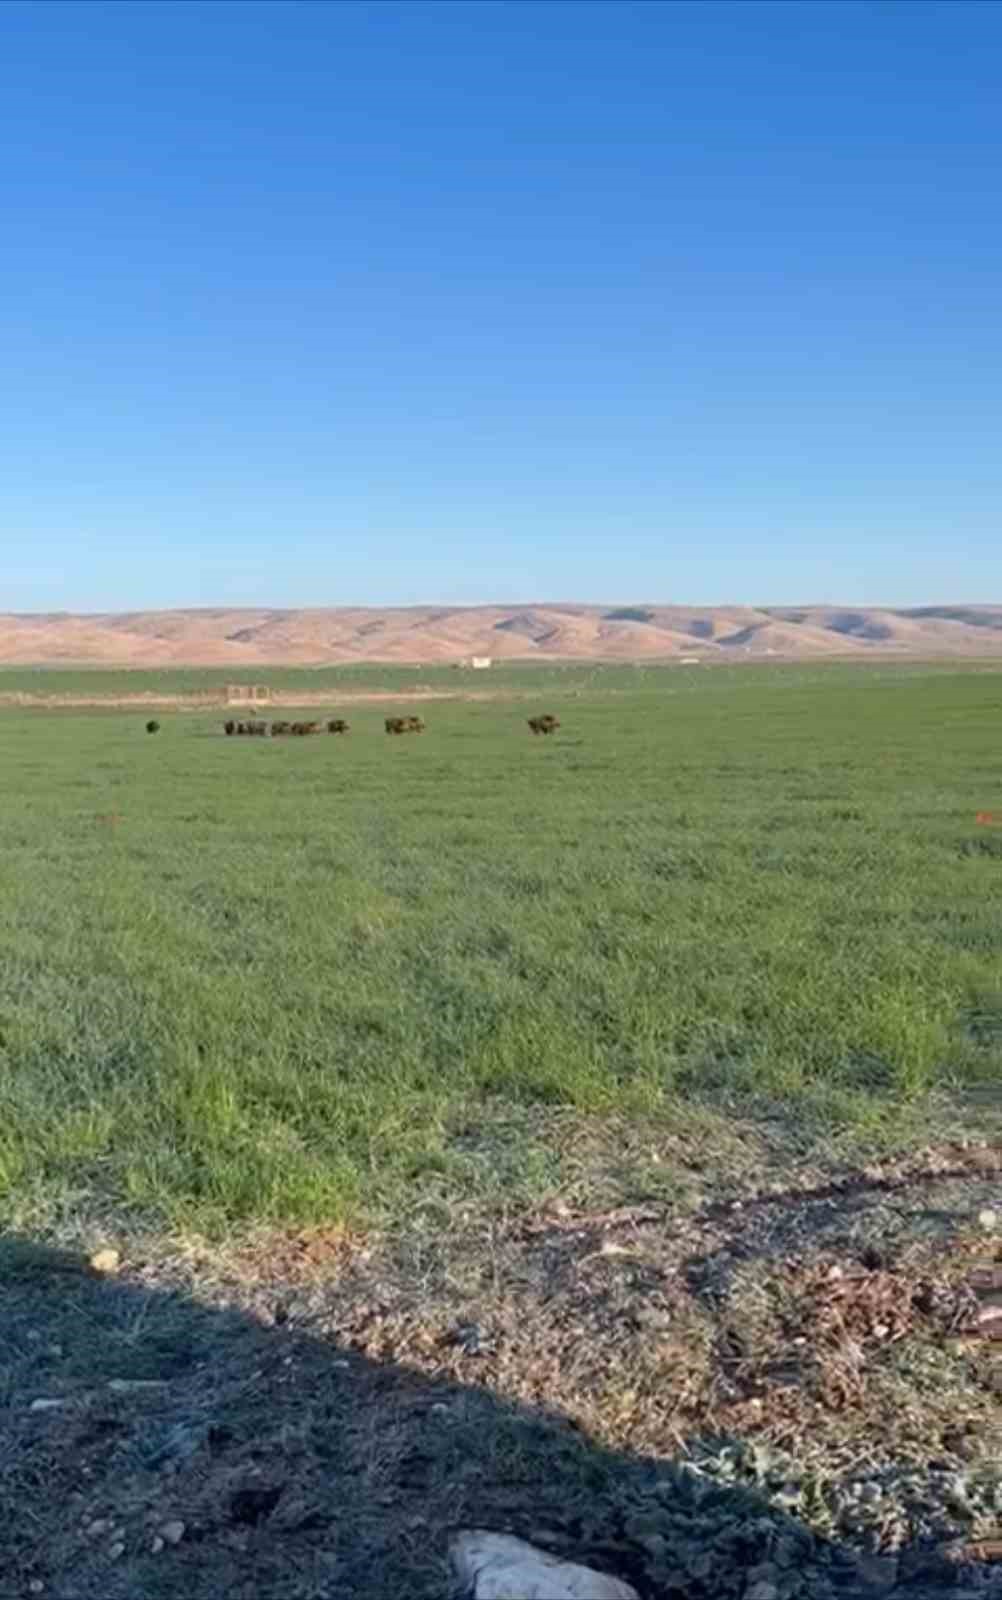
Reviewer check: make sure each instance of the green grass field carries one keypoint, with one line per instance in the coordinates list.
(254, 981)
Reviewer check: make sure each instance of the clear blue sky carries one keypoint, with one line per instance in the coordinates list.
(310, 303)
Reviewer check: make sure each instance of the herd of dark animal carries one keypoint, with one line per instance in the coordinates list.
(262, 730)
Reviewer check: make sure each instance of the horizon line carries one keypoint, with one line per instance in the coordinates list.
(506, 605)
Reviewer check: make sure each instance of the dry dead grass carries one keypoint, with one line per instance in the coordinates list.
(320, 1407)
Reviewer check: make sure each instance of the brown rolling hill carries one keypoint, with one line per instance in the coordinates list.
(220, 637)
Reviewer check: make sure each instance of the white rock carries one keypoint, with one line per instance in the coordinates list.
(173, 1531)
(46, 1405)
(988, 1219)
(496, 1566)
(105, 1262)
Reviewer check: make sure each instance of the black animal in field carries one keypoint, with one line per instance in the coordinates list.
(229, 728)
(544, 724)
(405, 725)
(153, 727)
(304, 729)
(279, 729)
(337, 725)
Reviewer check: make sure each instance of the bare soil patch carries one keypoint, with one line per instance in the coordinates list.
(210, 701)
(794, 1392)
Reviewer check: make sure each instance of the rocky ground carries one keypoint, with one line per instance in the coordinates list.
(784, 1387)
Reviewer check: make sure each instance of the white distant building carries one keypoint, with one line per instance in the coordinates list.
(480, 662)
(688, 661)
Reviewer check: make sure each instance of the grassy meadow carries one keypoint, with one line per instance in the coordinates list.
(245, 980)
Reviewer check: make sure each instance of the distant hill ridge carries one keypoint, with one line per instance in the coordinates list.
(223, 636)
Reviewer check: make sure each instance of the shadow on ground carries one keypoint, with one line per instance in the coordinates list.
(300, 1470)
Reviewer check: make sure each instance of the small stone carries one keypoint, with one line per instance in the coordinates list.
(988, 1219)
(36, 1586)
(97, 1527)
(116, 1550)
(497, 1566)
(157, 1545)
(46, 1405)
(173, 1531)
(136, 1385)
(105, 1262)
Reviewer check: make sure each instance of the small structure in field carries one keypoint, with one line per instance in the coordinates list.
(478, 663)
(248, 694)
